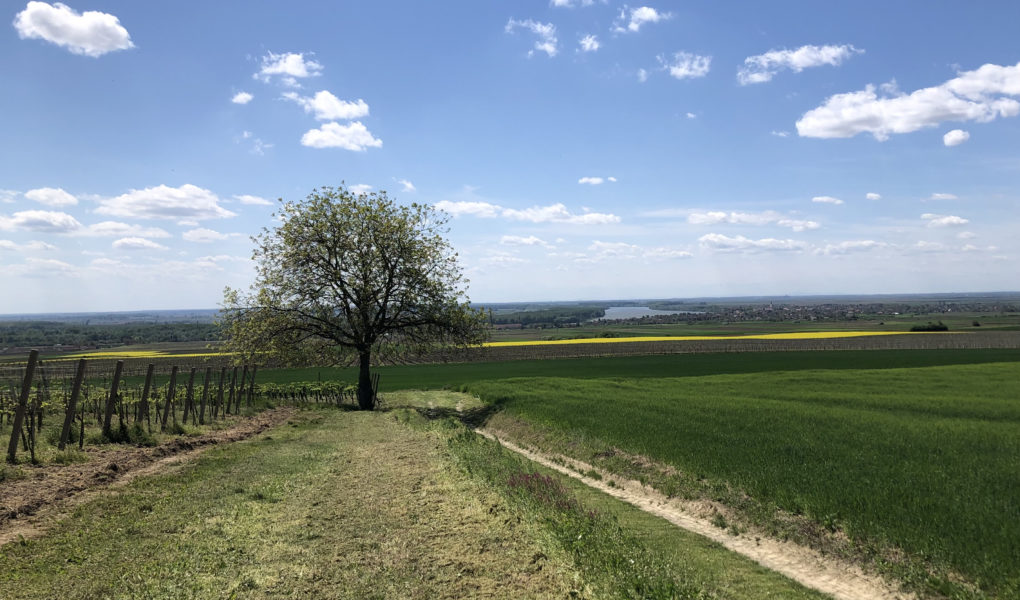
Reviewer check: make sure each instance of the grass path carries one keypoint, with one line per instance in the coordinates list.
(334, 505)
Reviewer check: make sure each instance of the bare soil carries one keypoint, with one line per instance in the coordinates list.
(827, 574)
(50, 488)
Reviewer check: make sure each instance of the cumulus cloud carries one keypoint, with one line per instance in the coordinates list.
(642, 75)
(360, 188)
(717, 242)
(781, 134)
(51, 197)
(595, 180)
(242, 98)
(980, 95)
(570, 3)
(826, 200)
(631, 20)
(763, 67)
(545, 32)
(684, 65)
(589, 43)
(253, 200)
(406, 186)
(32, 246)
(517, 240)
(327, 107)
(185, 203)
(287, 68)
(353, 136)
(554, 213)
(118, 229)
(935, 220)
(873, 196)
(7, 196)
(137, 243)
(201, 235)
(955, 137)
(44, 221)
(91, 33)
(942, 196)
(664, 253)
(849, 247)
(742, 218)
(42, 268)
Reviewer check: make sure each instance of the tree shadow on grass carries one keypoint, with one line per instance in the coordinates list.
(471, 417)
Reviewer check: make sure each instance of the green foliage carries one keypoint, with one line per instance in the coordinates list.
(48, 333)
(919, 459)
(929, 326)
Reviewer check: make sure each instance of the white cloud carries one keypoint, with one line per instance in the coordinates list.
(288, 67)
(570, 3)
(595, 180)
(969, 248)
(117, 229)
(589, 43)
(242, 98)
(631, 19)
(253, 200)
(768, 217)
(406, 186)
(32, 246)
(605, 250)
(554, 213)
(941, 196)
(45, 221)
(516, 240)
(502, 258)
(955, 137)
(188, 202)
(685, 65)
(42, 267)
(873, 196)
(546, 33)
(826, 200)
(353, 136)
(7, 196)
(667, 253)
(924, 246)
(642, 75)
(966, 235)
(51, 197)
(691, 115)
(763, 67)
(201, 235)
(781, 134)
(91, 33)
(850, 246)
(722, 243)
(360, 188)
(935, 220)
(328, 107)
(980, 95)
(137, 243)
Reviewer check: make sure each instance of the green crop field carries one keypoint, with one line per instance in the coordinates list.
(925, 459)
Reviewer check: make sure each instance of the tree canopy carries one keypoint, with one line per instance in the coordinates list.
(348, 278)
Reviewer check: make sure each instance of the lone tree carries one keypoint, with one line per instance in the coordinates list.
(352, 277)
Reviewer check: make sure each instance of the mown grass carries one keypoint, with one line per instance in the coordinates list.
(923, 459)
(437, 376)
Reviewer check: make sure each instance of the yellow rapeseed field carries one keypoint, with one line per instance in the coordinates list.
(125, 354)
(801, 335)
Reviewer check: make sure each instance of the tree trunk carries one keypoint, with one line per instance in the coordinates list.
(366, 400)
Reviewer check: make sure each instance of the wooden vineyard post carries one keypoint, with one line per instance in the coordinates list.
(112, 399)
(251, 386)
(19, 412)
(240, 391)
(145, 394)
(230, 398)
(205, 396)
(72, 404)
(218, 405)
(189, 399)
(169, 397)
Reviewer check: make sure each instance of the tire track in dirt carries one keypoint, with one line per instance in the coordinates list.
(27, 505)
(808, 567)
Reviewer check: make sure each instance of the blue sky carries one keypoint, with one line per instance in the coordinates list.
(584, 149)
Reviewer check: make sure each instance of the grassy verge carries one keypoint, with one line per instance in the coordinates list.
(925, 460)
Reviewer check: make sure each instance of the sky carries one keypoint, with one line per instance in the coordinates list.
(583, 149)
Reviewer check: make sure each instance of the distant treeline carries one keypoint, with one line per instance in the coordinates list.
(46, 333)
(550, 316)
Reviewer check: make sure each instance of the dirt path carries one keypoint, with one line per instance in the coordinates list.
(806, 566)
(28, 504)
